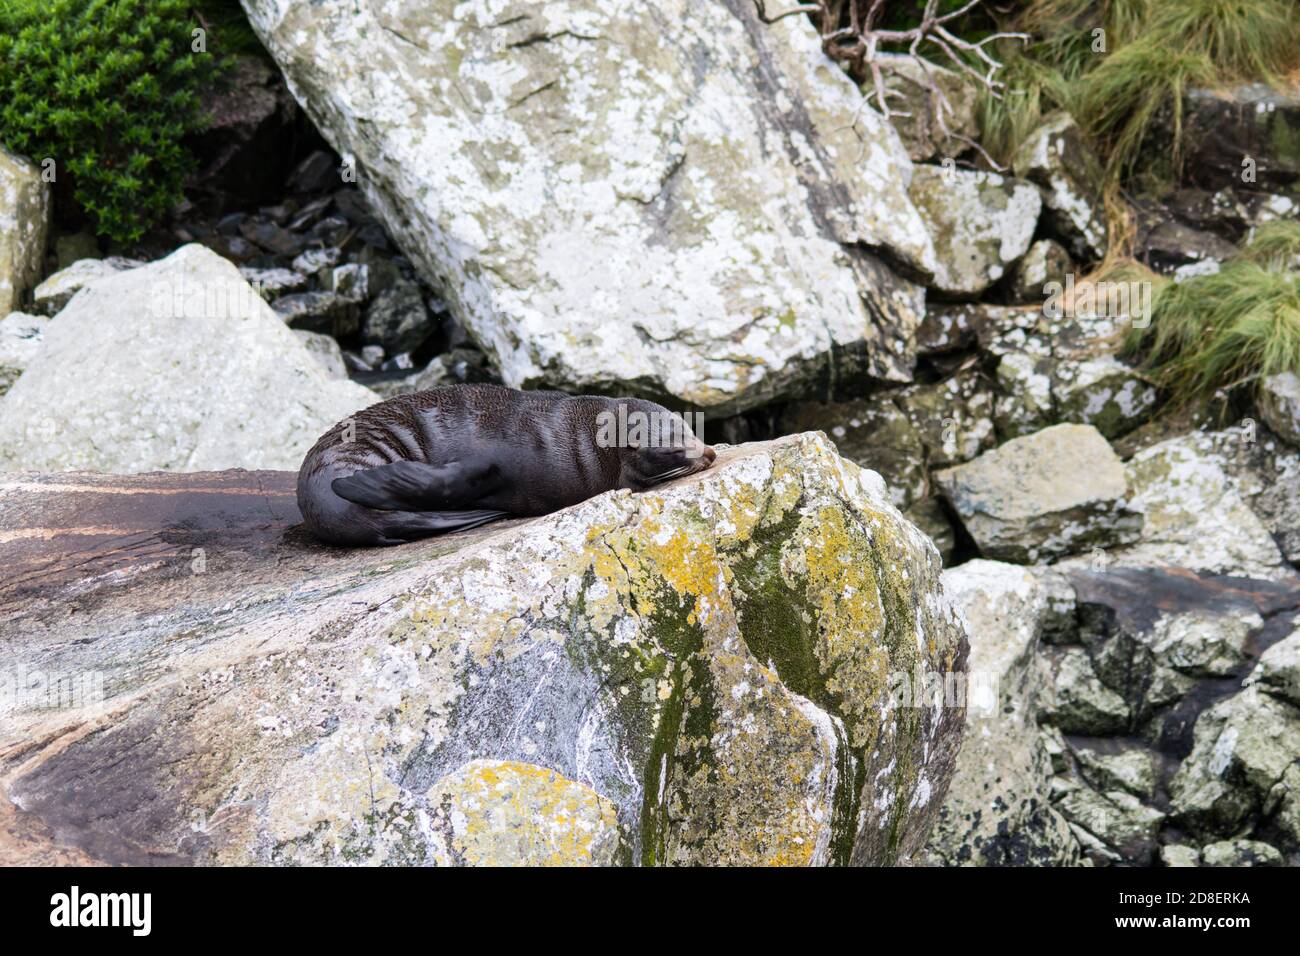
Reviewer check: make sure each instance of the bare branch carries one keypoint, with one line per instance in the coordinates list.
(851, 36)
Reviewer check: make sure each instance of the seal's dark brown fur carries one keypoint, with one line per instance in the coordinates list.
(448, 459)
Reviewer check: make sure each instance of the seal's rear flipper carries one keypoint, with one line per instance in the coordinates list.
(410, 525)
(408, 486)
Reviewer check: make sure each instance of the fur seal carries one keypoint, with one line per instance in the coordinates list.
(454, 458)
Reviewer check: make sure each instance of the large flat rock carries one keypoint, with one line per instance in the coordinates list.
(668, 197)
(694, 675)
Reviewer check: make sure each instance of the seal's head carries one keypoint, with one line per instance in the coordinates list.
(654, 445)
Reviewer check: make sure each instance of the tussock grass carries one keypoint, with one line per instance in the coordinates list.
(1122, 98)
(1156, 50)
(1231, 329)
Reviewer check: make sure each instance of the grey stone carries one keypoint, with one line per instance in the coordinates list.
(1083, 704)
(1278, 670)
(1241, 853)
(1053, 493)
(1046, 261)
(324, 312)
(915, 110)
(21, 336)
(273, 283)
(998, 811)
(1057, 158)
(57, 291)
(397, 318)
(325, 350)
(981, 223)
(1241, 769)
(1279, 405)
(691, 217)
(211, 379)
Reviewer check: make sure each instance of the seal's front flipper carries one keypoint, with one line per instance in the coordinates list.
(411, 486)
(410, 525)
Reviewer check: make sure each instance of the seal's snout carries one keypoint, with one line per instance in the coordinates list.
(702, 454)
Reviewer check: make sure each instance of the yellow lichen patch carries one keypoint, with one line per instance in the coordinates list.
(760, 789)
(851, 583)
(508, 813)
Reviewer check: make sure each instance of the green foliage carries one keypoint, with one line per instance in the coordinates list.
(1155, 50)
(1233, 328)
(107, 88)
(1033, 89)
(1123, 96)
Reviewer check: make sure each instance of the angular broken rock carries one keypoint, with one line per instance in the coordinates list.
(1058, 491)
(1279, 405)
(688, 216)
(981, 223)
(1056, 157)
(25, 211)
(1242, 769)
(697, 674)
(998, 812)
(202, 375)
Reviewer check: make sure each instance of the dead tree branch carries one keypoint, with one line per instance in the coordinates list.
(850, 34)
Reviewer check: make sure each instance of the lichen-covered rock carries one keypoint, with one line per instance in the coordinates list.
(1065, 370)
(981, 224)
(1279, 405)
(201, 375)
(872, 432)
(1082, 704)
(1056, 157)
(1123, 827)
(998, 811)
(1131, 769)
(1194, 516)
(25, 210)
(954, 417)
(1241, 853)
(508, 813)
(1242, 771)
(1056, 492)
(20, 339)
(1176, 854)
(915, 110)
(1046, 261)
(1153, 632)
(1278, 670)
(704, 673)
(673, 197)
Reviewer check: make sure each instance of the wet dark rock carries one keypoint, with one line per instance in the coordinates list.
(274, 239)
(1249, 129)
(397, 318)
(248, 143)
(318, 312)
(316, 173)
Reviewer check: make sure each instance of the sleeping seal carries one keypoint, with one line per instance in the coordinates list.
(448, 459)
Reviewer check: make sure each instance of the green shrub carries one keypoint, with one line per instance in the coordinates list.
(1233, 328)
(107, 88)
